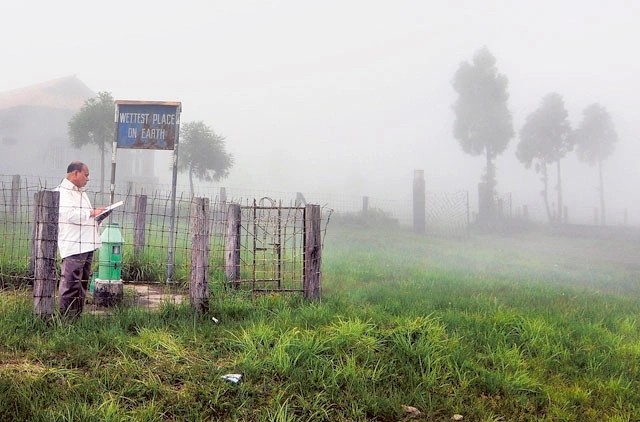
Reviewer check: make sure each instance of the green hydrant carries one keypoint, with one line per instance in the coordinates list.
(108, 289)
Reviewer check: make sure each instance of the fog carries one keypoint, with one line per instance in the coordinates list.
(348, 97)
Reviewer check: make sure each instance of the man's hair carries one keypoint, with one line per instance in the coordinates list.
(75, 166)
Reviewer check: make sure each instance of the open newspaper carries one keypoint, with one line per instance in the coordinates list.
(107, 211)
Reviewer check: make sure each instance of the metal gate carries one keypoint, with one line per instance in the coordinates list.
(272, 247)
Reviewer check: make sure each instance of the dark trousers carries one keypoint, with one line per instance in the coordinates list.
(76, 271)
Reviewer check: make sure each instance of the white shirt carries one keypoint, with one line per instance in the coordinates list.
(77, 230)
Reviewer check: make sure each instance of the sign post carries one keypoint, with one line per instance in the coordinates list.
(151, 125)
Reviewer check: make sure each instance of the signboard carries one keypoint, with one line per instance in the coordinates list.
(147, 125)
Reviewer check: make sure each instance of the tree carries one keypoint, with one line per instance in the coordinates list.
(202, 153)
(545, 139)
(483, 123)
(93, 124)
(595, 138)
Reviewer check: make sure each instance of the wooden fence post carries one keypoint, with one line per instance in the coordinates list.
(15, 195)
(232, 246)
(34, 230)
(300, 199)
(199, 284)
(312, 252)
(625, 217)
(220, 210)
(419, 202)
(365, 207)
(139, 225)
(46, 243)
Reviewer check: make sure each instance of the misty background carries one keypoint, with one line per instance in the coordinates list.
(349, 97)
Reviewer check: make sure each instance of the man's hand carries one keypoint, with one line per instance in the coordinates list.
(96, 211)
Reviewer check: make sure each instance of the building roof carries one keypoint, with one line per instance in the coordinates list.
(67, 93)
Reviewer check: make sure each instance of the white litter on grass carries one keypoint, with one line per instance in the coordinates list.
(412, 412)
(234, 378)
(214, 319)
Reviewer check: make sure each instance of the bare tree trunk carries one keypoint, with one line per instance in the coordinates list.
(603, 219)
(559, 187)
(545, 191)
(491, 186)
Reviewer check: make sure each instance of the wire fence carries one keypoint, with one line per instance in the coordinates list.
(270, 248)
(271, 227)
(513, 208)
(271, 230)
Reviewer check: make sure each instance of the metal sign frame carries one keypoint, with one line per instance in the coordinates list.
(149, 125)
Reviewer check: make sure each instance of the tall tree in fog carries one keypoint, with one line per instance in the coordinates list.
(202, 153)
(545, 139)
(595, 138)
(483, 123)
(93, 124)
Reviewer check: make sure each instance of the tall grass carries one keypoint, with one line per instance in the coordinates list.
(492, 328)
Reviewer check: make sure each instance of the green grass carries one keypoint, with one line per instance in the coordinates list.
(532, 327)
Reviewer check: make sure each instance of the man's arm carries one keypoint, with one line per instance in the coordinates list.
(74, 209)
(96, 211)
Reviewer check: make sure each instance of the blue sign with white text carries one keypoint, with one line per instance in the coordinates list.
(147, 125)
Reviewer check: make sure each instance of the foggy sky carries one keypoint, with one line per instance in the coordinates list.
(347, 96)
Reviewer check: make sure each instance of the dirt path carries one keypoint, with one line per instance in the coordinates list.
(148, 296)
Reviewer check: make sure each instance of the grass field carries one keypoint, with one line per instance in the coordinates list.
(525, 327)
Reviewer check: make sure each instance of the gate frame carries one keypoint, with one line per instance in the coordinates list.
(311, 248)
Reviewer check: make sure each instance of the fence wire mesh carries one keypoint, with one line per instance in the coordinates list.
(271, 255)
(272, 231)
(271, 247)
